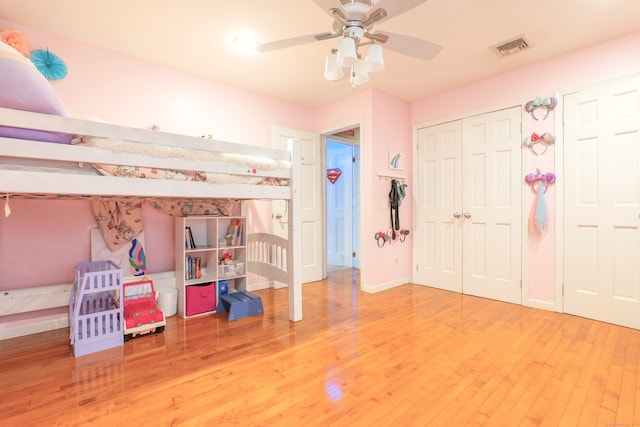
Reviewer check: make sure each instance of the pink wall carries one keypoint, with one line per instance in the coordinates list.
(562, 74)
(605, 61)
(392, 131)
(541, 251)
(126, 91)
(385, 125)
(41, 242)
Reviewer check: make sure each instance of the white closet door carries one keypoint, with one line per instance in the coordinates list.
(602, 202)
(468, 215)
(439, 206)
(492, 217)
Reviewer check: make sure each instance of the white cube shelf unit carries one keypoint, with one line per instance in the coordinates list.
(208, 249)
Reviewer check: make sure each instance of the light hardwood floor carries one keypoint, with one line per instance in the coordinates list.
(410, 356)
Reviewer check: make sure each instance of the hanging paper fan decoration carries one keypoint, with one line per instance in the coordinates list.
(49, 64)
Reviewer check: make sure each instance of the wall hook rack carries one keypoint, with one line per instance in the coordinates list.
(389, 176)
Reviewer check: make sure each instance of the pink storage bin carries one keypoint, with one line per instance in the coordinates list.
(200, 299)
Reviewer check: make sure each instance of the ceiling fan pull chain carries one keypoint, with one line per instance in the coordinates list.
(352, 77)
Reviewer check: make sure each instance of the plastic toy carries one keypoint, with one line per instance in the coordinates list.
(141, 312)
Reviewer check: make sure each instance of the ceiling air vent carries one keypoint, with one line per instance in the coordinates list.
(511, 47)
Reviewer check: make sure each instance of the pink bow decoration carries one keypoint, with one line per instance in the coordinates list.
(546, 139)
(545, 179)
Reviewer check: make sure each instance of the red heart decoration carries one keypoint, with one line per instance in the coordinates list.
(333, 174)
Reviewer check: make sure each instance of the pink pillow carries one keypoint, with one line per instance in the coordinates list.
(22, 87)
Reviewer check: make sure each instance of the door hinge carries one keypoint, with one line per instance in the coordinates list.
(353, 160)
(353, 254)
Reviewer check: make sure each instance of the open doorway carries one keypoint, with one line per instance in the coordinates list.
(342, 200)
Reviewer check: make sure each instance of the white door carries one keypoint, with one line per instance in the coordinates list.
(492, 212)
(439, 206)
(313, 251)
(339, 204)
(469, 213)
(602, 202)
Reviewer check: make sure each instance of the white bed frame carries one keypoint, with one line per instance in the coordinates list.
(72, 181)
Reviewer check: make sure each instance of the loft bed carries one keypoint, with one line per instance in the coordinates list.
(106, 161)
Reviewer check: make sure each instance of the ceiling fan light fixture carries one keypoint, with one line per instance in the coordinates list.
(374, 59)
(331, 69)
(360, 75)
(347, 55)
(357, 9)
(351, 27)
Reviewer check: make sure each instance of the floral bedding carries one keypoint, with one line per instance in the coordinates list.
(120, 220)
(252, 163)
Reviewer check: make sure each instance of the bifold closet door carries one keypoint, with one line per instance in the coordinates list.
(469, 205)
(602, 202)
(439, 204)
(492, 206)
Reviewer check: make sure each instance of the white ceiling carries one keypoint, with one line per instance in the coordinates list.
(193, 35)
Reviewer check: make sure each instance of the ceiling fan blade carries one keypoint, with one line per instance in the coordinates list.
(293, 41)
(327, 5)
(336, 23)
(375, 16)
(410, 46)
(394, 7)
(377, 37)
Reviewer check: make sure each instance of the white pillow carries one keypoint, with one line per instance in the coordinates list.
(23, 87)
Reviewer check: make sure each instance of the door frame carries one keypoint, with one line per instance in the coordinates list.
(357, 176)
(355, 225)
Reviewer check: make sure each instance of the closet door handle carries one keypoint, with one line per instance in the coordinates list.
(456, 214)
(467, 215)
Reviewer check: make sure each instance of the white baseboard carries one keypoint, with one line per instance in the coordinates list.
(257, 286)
(542, 305)
(266, 284)
(33, 325)
(372, 289)
(21, 310)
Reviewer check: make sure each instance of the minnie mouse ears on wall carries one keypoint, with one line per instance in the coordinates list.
(544, 104)
(545, 140)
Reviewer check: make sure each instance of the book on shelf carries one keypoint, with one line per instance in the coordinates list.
(238, 233)
(192, 268)
(189, 243)
(234, 233)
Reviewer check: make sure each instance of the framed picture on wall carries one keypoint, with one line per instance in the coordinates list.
(130, 258)
(396, 160)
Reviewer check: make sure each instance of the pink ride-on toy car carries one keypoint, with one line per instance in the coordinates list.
(141, 313)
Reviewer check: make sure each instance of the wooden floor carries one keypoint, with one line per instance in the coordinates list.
(410, 356)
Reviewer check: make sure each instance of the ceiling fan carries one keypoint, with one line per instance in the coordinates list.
(353, 20)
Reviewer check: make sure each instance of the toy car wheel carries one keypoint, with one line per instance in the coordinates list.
(127, 337)
(159, 329)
